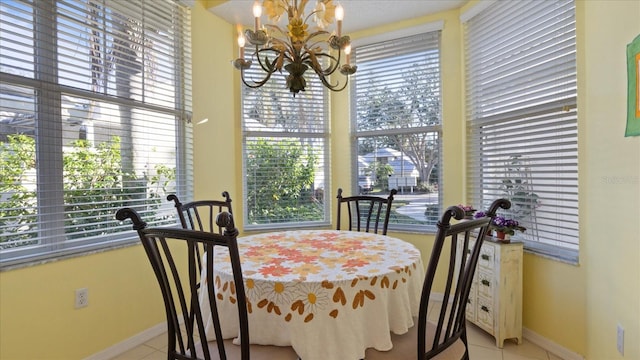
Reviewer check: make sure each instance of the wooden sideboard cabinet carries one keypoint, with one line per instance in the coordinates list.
(495, 300)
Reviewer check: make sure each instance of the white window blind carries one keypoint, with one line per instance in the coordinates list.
(522, 120)
(95, 101)
(397, 126)
(286, 142)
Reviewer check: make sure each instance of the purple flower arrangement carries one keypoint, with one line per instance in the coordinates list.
(468, 210)
(502, 224)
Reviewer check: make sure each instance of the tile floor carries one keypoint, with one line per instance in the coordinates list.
(482, 346)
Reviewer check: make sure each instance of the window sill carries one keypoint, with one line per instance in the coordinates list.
(566, 256)
(51, 257)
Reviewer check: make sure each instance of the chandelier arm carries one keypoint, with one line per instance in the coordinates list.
(267, 66)
(334, 63)
(329, 86)
(256, 84)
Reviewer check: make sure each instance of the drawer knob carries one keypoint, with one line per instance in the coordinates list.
(485, 282)
(484, 308)
(485, 257)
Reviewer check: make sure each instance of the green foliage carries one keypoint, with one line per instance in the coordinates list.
(17, 202)
(280, 188)
(382, 172)
(94, 187)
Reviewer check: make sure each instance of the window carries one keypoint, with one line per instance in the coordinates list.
(522, 119)
(397, 126)
(95, 99)
(285, 159)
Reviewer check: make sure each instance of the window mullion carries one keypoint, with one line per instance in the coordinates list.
(49, 127)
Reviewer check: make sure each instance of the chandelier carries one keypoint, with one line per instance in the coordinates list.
(295, 48)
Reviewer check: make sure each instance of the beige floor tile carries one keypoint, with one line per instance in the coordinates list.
(136, 353)
(477, 352)
(477, 336)
(156, 355)
(554, 357)
(159, 342)
(526, 350)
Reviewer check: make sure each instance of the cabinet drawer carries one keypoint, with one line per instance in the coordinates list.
(484, 314)
(487, 256)
(485, 284)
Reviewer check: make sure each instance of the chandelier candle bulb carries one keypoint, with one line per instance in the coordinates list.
(339, 18)
(257, 12)
(241, 42)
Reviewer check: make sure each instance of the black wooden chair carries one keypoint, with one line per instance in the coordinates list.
(366, 212)
(446, 338)
(173, 257)
(201, 214)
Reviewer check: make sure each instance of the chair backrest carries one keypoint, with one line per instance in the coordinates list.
(201, 214)
(459, 266)
(172, 253)
(366, 212)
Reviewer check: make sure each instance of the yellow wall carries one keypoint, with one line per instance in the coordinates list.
(610, 179)
(217, 152)
(37, 315)
(576, 307)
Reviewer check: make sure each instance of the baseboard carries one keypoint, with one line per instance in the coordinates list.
(550, 346)
(130, 343)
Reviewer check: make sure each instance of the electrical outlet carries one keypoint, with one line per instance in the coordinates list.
(620, 337)
(82, 298)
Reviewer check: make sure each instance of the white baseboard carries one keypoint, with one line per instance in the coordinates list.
(130, 343)
(550, 346)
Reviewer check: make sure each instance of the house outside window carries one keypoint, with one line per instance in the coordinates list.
(522, 119)
(95, 102)
(396, 117)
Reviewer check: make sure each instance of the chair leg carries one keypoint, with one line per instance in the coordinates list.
(466, 345)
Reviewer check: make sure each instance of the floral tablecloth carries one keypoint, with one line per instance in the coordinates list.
(329, 294)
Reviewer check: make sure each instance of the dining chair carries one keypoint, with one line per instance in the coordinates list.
(445, 337)
(172, 253)
(201, 214)
(366, 212)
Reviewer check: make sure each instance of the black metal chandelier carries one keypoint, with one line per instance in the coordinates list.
(296, 49)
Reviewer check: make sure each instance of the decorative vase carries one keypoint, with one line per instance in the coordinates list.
(502, 236)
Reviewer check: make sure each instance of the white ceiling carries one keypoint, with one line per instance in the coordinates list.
(359, 14)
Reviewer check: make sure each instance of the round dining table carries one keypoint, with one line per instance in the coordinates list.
(329, 294)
